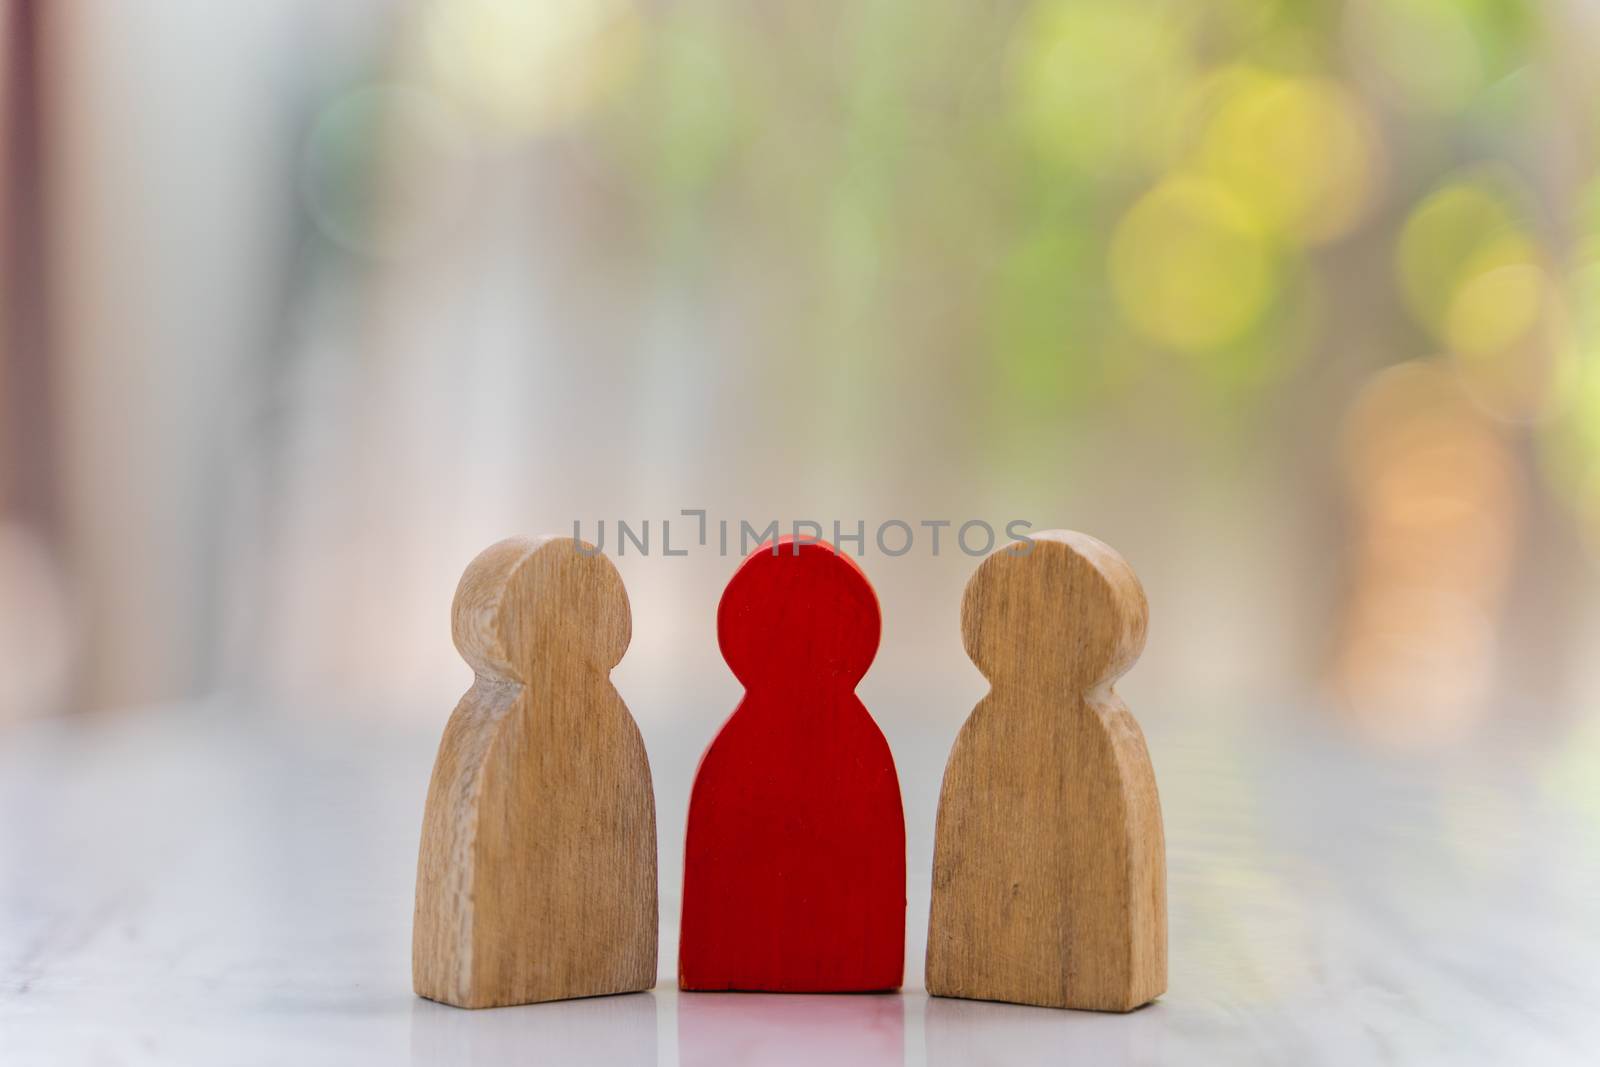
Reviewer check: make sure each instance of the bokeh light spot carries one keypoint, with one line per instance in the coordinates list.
(386, 170)
(1429, 56)
(1191, 266)
(1098, 82)
(1513, 347)
(1301, 151)
(528, 67)
(1435, 492)
(1463, 230)
(1494, 309)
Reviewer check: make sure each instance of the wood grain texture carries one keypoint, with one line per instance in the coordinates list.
(795, 859)
(537, 874)
(1049, 872)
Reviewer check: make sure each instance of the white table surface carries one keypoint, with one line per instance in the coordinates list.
(214, 884)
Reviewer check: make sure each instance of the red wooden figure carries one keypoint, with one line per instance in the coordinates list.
(795, 874)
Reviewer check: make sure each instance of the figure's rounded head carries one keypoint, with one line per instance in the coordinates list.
(1069, 611)
(522, 599)
(804, 613)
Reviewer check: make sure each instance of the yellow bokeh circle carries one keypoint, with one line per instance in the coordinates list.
(1098, 83)
(1191, 266)
(1302, 151)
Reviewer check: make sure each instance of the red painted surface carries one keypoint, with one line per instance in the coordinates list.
(795, 872)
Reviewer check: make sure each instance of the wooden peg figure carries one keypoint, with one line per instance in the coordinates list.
(537, 875)
(1049, 870)
(795, 862)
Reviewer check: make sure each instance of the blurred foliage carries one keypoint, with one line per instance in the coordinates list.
(1056, 201)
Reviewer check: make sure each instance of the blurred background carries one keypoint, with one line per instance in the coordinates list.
(1297, 304)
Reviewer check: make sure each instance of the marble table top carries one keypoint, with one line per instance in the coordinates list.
(219, 884)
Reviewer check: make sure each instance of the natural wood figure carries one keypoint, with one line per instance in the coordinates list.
(537, 876)
(794, 876)
(1049, 869)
